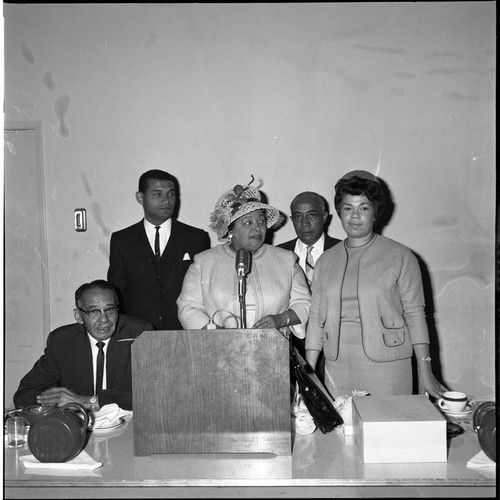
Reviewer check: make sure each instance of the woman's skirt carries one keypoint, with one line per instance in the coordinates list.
(353, 371)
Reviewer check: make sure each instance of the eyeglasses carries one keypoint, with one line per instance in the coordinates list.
(311, 217)
(96, 313)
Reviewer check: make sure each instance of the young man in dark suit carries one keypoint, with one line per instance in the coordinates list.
(65, 372)
(149, 259)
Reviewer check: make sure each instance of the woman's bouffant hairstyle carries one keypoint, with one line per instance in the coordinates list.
(359, 186)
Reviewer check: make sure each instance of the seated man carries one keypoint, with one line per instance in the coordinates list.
(74, 368)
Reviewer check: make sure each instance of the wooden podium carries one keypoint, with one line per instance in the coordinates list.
(211, 391)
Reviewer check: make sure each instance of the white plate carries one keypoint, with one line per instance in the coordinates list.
(458, 414)
(111, 427)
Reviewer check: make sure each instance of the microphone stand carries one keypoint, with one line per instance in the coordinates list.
(242, 290)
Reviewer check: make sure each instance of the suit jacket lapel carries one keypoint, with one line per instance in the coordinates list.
(169, 255)
(112, 354)
(83, 362)
(142, 239)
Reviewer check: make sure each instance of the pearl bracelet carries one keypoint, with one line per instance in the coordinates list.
(428, 358)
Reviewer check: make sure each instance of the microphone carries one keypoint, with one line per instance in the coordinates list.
(242, 262)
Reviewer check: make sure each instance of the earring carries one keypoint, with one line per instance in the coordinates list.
(230, 236)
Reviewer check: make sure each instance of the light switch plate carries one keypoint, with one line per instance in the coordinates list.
(80, 219)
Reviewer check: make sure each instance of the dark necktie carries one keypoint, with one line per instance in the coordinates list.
(157, 243)
(100, 367)
(309, 265)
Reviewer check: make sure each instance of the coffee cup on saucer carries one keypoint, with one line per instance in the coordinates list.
(453, 401)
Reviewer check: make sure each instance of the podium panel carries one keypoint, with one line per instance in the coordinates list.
(211, 391)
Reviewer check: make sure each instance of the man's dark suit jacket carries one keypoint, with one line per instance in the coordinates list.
(146, 291)
(290, 245)
(67, 362)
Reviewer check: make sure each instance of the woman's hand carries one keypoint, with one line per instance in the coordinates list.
(287, 318)
(269, 321)
(427, 382)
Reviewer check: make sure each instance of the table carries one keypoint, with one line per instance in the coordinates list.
(321, 465)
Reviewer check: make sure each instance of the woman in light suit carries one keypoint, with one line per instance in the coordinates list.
(367, 309)
(277, 294)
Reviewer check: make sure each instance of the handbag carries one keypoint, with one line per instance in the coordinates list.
(317, 400)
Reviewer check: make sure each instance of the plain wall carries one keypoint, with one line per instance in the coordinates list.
(295, 94)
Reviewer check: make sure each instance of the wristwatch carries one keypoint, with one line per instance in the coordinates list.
(287, 317)
(93, 402)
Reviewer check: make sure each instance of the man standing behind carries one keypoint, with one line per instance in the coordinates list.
(309, 213)
(149, 259)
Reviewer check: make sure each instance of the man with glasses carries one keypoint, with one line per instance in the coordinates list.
(87, 362)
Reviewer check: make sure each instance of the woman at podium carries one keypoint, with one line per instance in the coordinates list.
(244, 282)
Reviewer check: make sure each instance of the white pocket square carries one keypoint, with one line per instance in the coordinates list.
(186, 257)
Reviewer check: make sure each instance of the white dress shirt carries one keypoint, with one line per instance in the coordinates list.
(165, 230)
(301, 250)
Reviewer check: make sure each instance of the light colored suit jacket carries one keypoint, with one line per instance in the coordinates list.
(210, 287)
(390, 295)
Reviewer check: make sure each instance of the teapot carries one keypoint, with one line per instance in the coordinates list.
(484, 422)
(57, 434)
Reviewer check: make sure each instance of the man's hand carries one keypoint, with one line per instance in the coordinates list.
(61, 396)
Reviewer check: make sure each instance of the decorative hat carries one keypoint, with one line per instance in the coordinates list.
(363, 174)
(235, 203)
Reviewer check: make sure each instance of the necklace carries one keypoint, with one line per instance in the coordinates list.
(364, 244)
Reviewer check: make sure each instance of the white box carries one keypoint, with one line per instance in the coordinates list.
(396, 429)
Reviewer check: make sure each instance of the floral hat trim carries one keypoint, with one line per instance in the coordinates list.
(235, 203)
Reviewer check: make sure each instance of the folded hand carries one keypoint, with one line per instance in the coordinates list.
(59, 396)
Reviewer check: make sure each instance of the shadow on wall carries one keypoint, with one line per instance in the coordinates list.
(283, 219)
(431, 325)
(383, 222)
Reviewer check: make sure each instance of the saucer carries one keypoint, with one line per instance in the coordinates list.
(453, 430)
(458, 414)
(110, 427)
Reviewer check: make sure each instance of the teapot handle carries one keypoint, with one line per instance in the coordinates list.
(80, 409)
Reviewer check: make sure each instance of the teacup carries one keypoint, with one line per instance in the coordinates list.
(453, 401)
